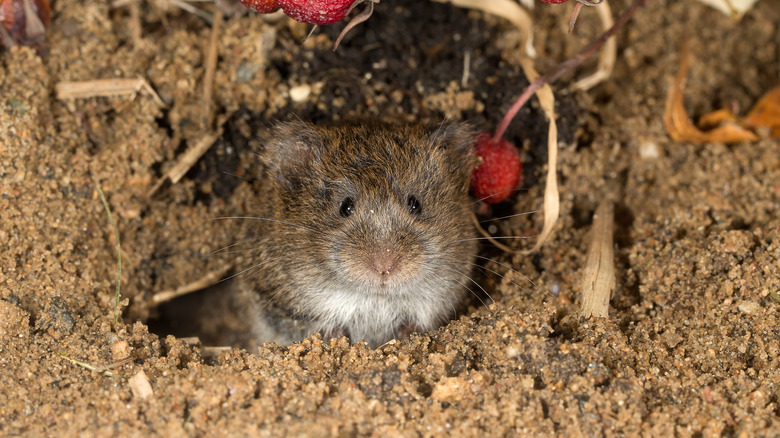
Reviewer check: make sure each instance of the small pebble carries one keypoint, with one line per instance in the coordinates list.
(300, 93)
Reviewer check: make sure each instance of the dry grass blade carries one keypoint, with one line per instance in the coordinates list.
(104, 88)
(507, 9)
(598, 278)
(607, 55)
(102, 370)
(552, 205)
(207, 280)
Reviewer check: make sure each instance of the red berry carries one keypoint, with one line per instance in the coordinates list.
(21, 27)
(317, 12)
(261, 6)
(500, 171)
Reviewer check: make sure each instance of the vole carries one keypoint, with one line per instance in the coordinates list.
(366, 232)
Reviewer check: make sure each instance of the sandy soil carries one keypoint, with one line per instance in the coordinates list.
(692, 341)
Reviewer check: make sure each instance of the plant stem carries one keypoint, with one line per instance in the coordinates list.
(563, 68)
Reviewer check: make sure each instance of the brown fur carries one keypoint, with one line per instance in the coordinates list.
(382, 271)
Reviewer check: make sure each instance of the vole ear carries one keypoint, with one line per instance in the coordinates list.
(290, 152)
(457, 140)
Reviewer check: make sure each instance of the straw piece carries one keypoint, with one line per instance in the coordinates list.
(598, 279)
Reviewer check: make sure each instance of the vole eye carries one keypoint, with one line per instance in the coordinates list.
(413, 205)
(347, 207)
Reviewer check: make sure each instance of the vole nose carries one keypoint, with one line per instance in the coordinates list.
(383, 262)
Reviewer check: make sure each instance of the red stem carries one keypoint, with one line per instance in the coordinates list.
(563, 68)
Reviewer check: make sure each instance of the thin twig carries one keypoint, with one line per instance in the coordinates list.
(187, 160)
(207, 280)
(104, 88)
(192, 9)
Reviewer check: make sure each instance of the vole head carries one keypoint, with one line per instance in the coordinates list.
(381, 212)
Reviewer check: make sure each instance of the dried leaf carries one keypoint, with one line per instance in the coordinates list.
(766, 113)
(679, 125)
(717, 118)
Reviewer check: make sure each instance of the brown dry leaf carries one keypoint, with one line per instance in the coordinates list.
(765, 113)
(716, 118)
(679, 125)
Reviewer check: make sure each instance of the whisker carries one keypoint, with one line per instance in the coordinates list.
(271, 299)
(525, 277)
(250, 268)
(476, 295)
(436, 276)
(510, 216)
(500, 193)
(269, 220)
(239, 176)
(454, 311)
(242, 250)
(438, 131)
(485, 238)
(496, 273)
(479, 286)
(232, 245)
(471, 290)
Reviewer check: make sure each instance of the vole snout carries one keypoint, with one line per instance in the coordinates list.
(383, 263)
(383, 255)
